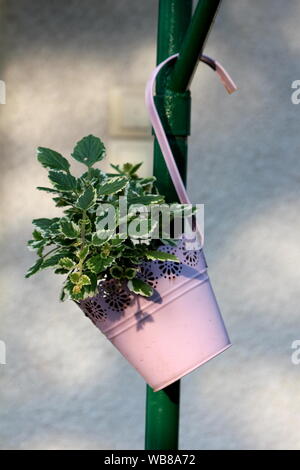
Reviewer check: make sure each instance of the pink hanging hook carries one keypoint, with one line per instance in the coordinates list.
(158, 127)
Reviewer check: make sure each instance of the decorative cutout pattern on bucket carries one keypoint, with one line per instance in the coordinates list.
(94, 310)
(115, 296)
(147, 274)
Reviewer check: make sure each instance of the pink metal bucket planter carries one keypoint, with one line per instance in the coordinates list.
(180, 326)
(171, 333)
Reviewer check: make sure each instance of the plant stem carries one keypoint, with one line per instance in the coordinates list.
(82, 234)
(51, 251)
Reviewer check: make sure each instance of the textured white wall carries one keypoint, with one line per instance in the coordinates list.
(64, 386)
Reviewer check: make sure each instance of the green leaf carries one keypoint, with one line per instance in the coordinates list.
(127, 167)
(116, 272)
(92, 287)
(97, 263)
(61, 241)
(76, 292)
(140, 287)
(87, 199)
(161, 255)
(67, 263)
(47, 190)
(75, 277)
(134, 168)
(141, 229)
(107, 261)
(116, 167)
(84, 280)
(53, 260)
(61, 270)
(146, 199)
(61, 202)
(37, 235)
(89, 150)
(116, 241)
(36, 244)
(40, 250)
(85, 290)
(66, 291)
(63, 181)
(35, 268)
(130, 273)
(46, 225)
(80, 279)
(112, 185)
(101, 237)
(168, 242)
(53, 160)
(147, 181)
(69, 228)
(82, 254)
(94, 174)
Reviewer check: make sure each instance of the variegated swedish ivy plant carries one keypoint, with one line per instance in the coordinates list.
(71, 245)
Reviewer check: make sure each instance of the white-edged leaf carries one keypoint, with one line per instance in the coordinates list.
(47, 190)
(146, 181)
(168, 242)
(53, 260)
(62, 181)
(94, 174)
(161, 255)
(135, 168)
(140, 287)
(36, 244)
(116, 241)
(53, 160)
(89, 150)
(80, 279)
(74, 277)
(139, 229)
(97, 263)
(84, 280)
(130, 273)
(45, 225)
(37, 235)
(116, 272)
(146, 199)
(69, 228)
(87, 199)
(35, 268)
(82, 254)
(101, 237)
(112, 185)
(67, 263)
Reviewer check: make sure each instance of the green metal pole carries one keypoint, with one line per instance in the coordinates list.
(162, 408)
(176, 32)
(173, 21)
(193, 44)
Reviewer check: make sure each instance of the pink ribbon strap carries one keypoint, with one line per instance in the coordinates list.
(158, 127)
